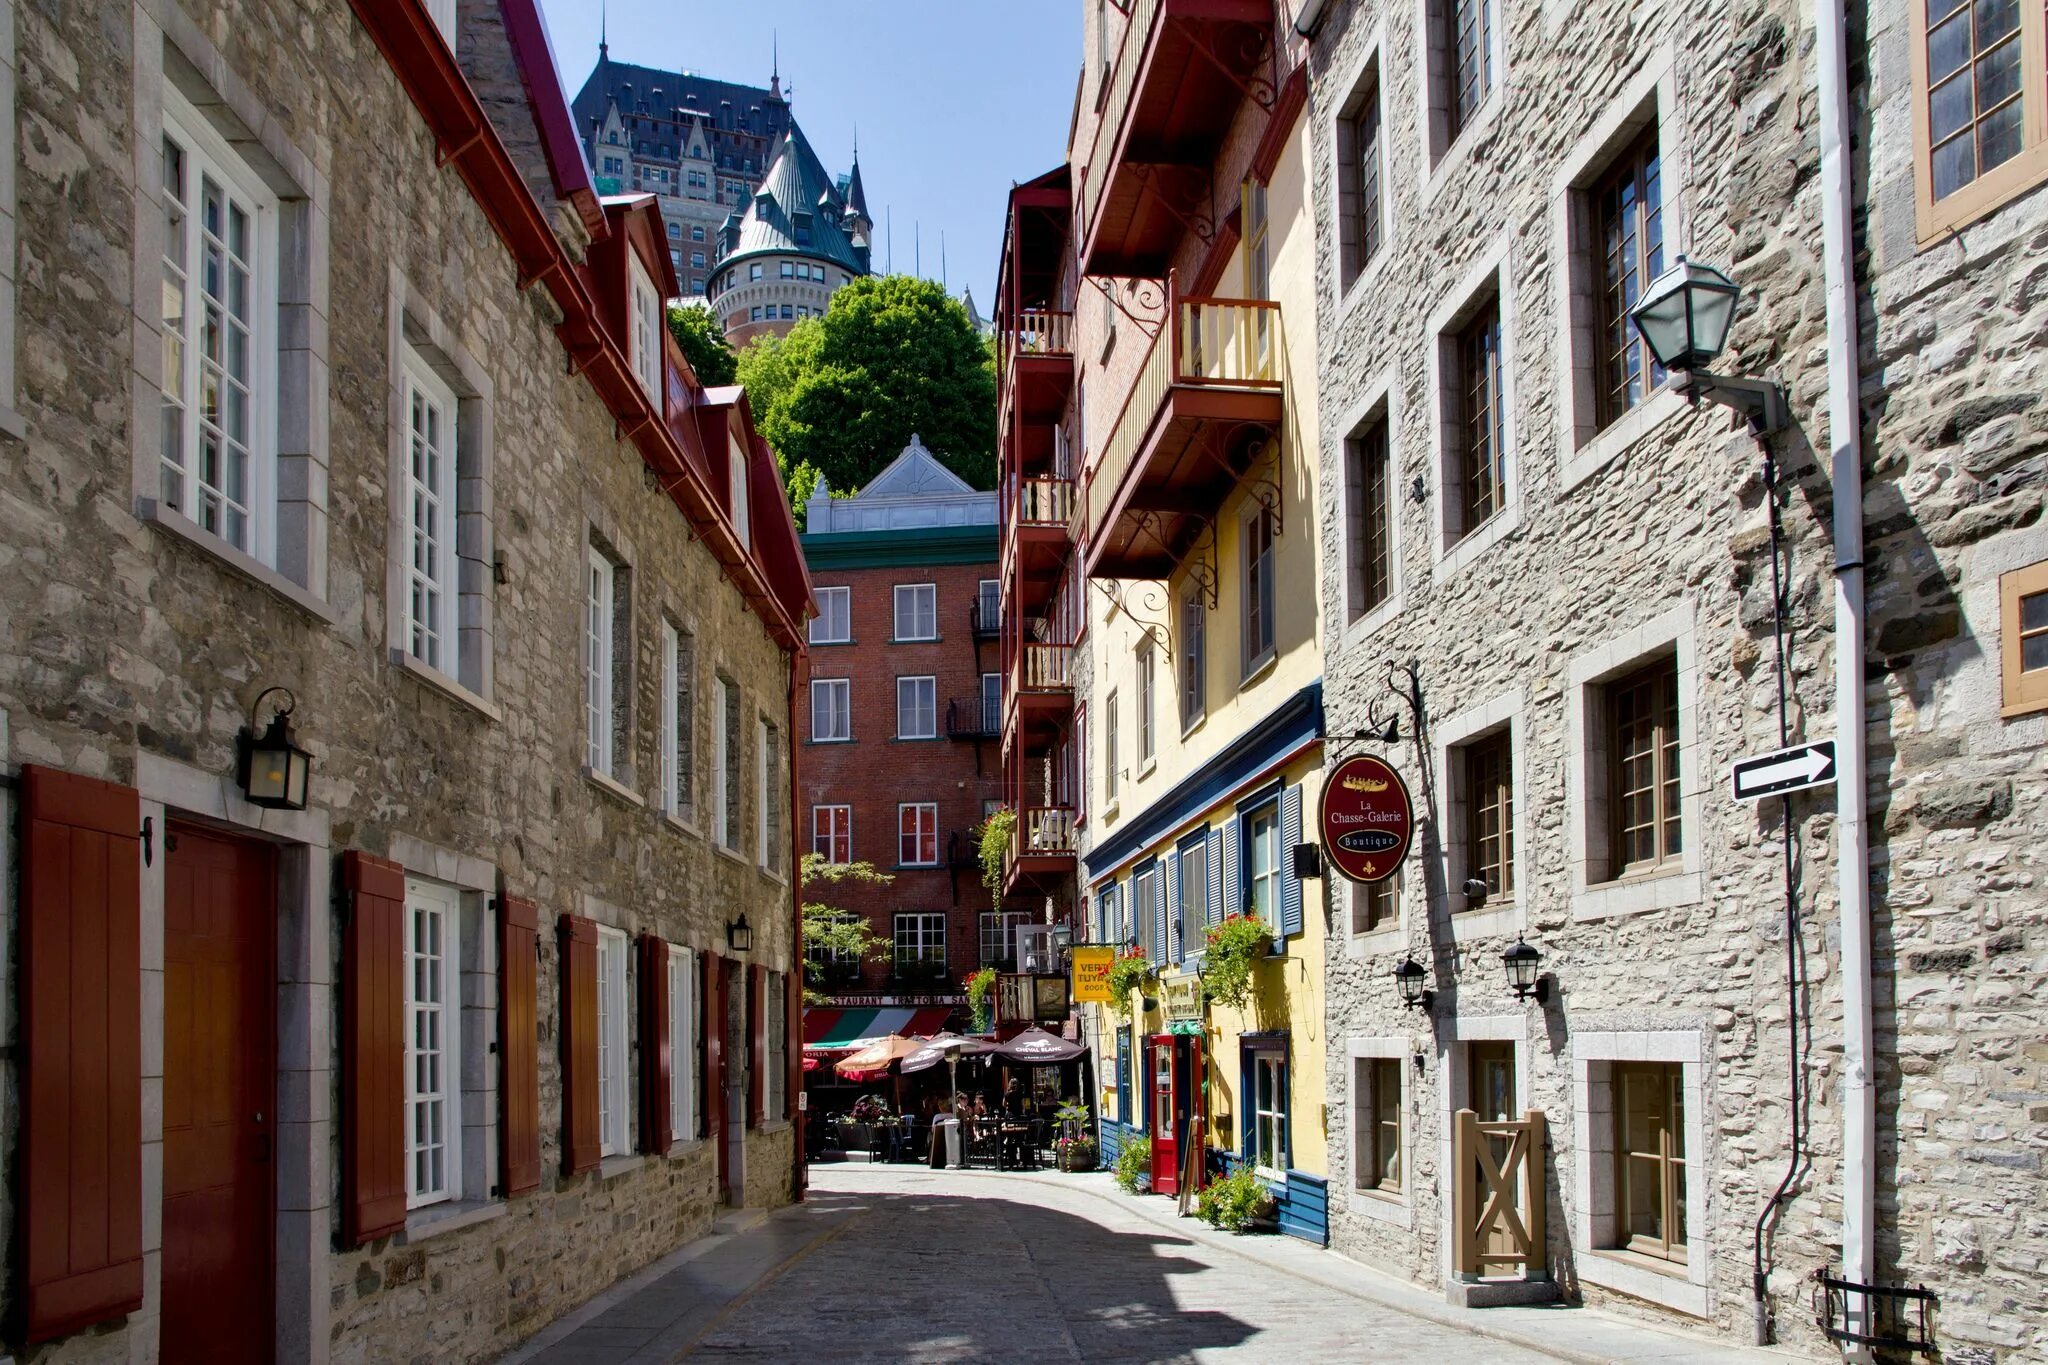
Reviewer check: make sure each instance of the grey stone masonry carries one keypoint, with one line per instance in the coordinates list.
(133, 642)
(1646, 541)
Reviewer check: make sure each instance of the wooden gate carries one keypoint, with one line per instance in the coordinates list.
(1497, 1197)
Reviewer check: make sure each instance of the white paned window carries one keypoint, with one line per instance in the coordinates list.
(999, 935)
(1269, 1111)
(776, 1067)
(613, 1114)
(917, 834)
(831, 709)
(1262, 863)
(920, 938)
(1147, 706)
(678, 720)
(917, 611)
(767, 822)
(736, 476)
(433, 1029)
(597, 662)
(431, 588)
(646, 333)
(682, 1043)
(832, 833)
(217, 434)
(917, 708)
(725, 775)
(833, 625)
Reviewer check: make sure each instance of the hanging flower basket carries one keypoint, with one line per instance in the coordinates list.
(1232, 947)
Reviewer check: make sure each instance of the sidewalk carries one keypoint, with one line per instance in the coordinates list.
(1584, 1335)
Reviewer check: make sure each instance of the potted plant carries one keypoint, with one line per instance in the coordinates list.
(1238, 1202)
(1134, 1166)
(1233, 945)
(1126, 974)
(979, 984)
(1075, 1147)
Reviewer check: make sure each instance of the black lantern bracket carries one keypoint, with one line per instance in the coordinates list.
(1383, 714)
(270, 766)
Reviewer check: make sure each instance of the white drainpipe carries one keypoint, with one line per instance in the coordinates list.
(1852, 838)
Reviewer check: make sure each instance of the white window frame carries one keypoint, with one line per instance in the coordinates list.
(1278, 1118)
(600, 586)
(682, 1043)
(441, 1099)
(1194, 658)
(432, 638)
(443, 15)
(725, 700)
(838, 826)
(645, 330)
(614, 1100)
(764, 761)
(1259, 581)
(1005, 923)
(916, 719)
(1380, 404)
(923, 809)
(736, 477)
(1109, 741)
(1489, 281)
(1269, 905)
(833, 625)
(775, 1027)
(922, 923)
(675, 726)
(924, 604)
(207, 153)
(992, 702)
(1148, 731)
(838, 695)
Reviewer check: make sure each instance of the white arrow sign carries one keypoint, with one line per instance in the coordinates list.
(1808, 765)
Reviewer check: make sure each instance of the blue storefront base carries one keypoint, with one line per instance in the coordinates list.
(1301, 1201)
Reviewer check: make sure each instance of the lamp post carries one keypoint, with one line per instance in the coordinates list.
(1683, 317)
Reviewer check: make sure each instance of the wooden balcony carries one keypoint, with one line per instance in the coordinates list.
(1181, 72)
(1042, 850)
(1205, 402)
(1037, 518)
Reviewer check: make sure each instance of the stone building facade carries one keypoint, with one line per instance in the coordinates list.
(900, 738)
(410, 1071)
(1595, 641)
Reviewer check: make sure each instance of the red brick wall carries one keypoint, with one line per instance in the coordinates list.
(875, 771)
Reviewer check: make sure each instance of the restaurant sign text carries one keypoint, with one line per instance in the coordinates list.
(1091, 975)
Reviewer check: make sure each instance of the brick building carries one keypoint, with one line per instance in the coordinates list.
(341, 379)
(899, 745)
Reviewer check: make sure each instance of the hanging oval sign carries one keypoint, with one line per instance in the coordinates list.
(1367, 820)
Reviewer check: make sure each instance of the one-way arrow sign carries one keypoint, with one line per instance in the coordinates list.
(1788, 770)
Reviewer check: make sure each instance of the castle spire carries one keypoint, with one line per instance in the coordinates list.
(603, 26)
(775, 66)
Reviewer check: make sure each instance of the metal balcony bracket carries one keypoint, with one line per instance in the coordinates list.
(1201, 563)
(1129, 595)
(1194, 215)
(1150, 295)
(1383, 714)
(1256, 47)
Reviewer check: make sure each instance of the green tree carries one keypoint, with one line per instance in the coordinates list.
(834, 931)
(839, 396)
(697, 330)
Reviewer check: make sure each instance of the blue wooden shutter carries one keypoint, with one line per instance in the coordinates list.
(1176, 939)
(1290, 835)
(1215, 875)
(1233, 888)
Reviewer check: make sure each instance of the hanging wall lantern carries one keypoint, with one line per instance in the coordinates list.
(273, 768)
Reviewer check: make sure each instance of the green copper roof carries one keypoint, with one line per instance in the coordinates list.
(798, 211)
(920, 545)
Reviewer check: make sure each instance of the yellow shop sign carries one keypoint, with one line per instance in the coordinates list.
(1091, 975)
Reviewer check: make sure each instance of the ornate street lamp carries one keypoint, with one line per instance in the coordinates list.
(1408, 979)
(1683, 317)
(273, 769)
(1523, 965)
(739, 935)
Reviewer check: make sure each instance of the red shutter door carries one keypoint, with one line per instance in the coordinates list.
(581, 1144)
(372, 1049)
(518, 1042)
(81, 1022)
(757, 1043)
(656, 1066)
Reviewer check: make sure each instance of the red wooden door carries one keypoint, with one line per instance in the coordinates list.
(1165, 1105)
(220, 1067)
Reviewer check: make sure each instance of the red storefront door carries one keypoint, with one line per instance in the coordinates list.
(1164, 1120)
(220, 1068)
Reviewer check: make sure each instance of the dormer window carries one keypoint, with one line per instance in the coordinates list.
(738, 484)
(644, 332)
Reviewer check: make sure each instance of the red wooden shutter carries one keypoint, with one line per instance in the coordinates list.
(81, 1024)
(518, 1043)
(581, 1143)
(757, 1044)
(711, 1075)
(372, 1049)
(656, 1066)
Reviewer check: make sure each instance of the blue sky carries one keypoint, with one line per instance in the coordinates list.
(954, 99)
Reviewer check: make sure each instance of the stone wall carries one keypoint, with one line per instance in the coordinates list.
(123, 638)
(1659, 539)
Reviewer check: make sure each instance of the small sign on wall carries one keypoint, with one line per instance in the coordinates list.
(1091, 975)
(1366, 821)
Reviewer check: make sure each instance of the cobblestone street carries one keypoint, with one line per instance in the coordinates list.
(892, 1263)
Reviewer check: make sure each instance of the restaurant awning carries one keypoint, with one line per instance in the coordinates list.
(828, 1026)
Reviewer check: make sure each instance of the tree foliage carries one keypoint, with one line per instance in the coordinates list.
(839, 396)
(830, 929)
(697, 330)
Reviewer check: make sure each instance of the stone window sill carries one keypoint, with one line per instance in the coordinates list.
(1369, 622)
(611, 1166)
(611, 786)
(1659, 1282)
(680, 825)
(1383, 1208)
(1637, 895)
(1497, 920)
(733, 854)
(1576, 464)
(13, 424)
(1385, 938)
(441, 682)
(243, 563)
(438, 1220)
(1479, 540)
